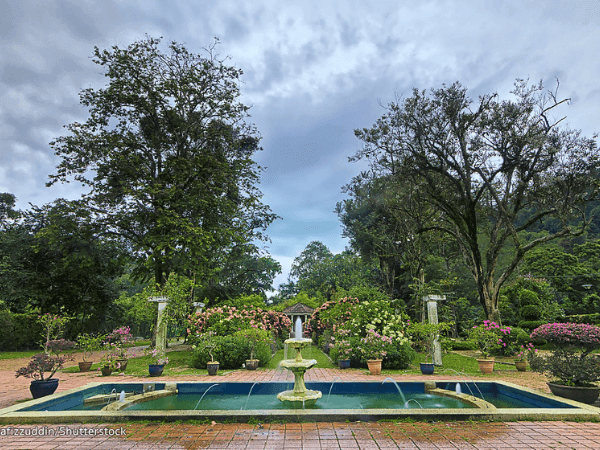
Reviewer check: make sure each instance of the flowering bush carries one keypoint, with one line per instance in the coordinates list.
(226, 320)
(120, 335)
(331, 315)
(111, 358)
(565, 364)
(159, 359)
(342, 347)
(39, 364)
(52, 325)
(576, 335)
(527, 351)
(378, 315)
(373, 345)
(486, 337)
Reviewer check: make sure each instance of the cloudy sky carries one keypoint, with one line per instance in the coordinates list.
(313, 72)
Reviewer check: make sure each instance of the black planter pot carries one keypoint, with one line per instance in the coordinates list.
(41, 388)
(586, 395)
(155, 370)
(427, 368)
(212, 367)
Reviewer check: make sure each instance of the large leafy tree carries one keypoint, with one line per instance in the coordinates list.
(491, 168)
(168, 158)
(51, 260)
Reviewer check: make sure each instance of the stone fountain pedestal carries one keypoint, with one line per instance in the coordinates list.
(299, 396)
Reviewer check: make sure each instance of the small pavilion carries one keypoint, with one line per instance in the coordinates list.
(298, 310)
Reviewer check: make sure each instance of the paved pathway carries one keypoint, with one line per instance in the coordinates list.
(330, 436)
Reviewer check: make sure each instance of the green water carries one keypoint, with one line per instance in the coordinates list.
(270, 402)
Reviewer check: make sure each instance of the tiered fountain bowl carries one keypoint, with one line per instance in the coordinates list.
(299, 396)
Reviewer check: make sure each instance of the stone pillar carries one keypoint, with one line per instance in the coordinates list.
(199, 306)
(432, 314)
(161, 332)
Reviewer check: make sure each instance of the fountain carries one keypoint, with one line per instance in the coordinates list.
(299, 396)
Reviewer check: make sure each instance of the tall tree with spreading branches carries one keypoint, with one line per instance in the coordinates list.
(168, 158)
(491, 168)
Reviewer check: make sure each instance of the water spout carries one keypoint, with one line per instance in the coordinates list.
(412, 400)
(298, 329)
(458, 389)
(250, 392)
(122, 396)
(209, 388)
(397, 387)
(330, 388)
(464, 375)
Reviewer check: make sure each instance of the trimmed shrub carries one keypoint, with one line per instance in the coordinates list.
(19, 331)
(398, 357)
(230, 351)
(461, 345)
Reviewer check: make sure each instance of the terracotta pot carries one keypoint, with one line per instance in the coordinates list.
(106, 371)
(581, 394)
(85, 366)
(212, 367)
(521, 366)
(344, 363)
(486, 365)
(251, 364)
(374, 366)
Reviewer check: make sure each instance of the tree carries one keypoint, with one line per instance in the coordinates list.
(492, 169)
(51, 259)
(167, 156)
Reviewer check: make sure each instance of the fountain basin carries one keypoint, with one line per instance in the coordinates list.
(352, 401)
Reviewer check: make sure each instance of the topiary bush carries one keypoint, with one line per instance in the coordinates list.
(398, 357)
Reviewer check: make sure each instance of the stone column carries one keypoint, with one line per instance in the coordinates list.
(432, 314)
(161, 332)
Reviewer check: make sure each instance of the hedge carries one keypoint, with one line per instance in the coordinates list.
(19, 331)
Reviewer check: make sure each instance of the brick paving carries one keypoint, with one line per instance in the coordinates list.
(330, 436)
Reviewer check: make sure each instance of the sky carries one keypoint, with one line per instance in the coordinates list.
(314, 71)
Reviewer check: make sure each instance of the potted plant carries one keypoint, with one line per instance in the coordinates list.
(255, 337)
(488, 341)
(424, 336)
(574, 372)
(109, 362)
(342, 348)
(212, 366)
(119, 337)
(39, 364)
(523, 355)
(159, 362)
(373, 349)
(88, 344)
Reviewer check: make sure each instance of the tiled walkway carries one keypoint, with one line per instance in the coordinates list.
(330, 436)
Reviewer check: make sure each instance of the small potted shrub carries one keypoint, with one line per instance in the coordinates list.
(521, 359)
(256, 337)
(88, 344)
(342, 348)
(373, 350)
(424, 335)
(159, 362)
(574, 372)
(110, 361)
(42, 385)
(212, 366)
(488, 341)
